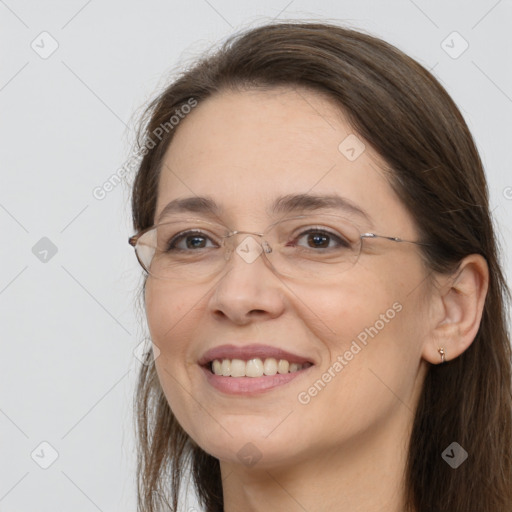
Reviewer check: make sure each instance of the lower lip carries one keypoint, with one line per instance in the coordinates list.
(248, 385)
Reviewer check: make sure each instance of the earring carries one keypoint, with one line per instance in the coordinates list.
(442, 353)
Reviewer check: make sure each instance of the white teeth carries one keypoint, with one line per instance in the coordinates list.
(270, 366)
(238, 368)
(283, 366)
(217, 367)
(295, 367)
(225, 368)
(254, 367)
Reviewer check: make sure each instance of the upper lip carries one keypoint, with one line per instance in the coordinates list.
(247, 352)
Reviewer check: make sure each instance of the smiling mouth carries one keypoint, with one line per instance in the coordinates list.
(255, 367)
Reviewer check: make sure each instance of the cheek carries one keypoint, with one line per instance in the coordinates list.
(166, 308)
(372, 335)
(346, 308)
(172, 316)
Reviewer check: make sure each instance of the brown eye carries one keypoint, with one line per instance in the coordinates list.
(322, 239)
(192, 239)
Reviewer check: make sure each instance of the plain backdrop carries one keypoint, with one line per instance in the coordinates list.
(73, 77)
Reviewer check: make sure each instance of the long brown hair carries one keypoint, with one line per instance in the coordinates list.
(403, 112)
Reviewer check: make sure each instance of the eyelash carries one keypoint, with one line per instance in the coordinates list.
(171, 245)
(340, 240)
(183, 236)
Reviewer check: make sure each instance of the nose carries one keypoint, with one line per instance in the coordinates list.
(248, 288)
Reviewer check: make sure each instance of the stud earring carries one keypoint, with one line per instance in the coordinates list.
(442, 353)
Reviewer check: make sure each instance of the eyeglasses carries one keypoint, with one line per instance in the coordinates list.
(305, 246)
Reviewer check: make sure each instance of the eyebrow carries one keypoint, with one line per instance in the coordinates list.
(290, 203)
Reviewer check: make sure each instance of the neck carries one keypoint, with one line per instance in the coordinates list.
(365, 475)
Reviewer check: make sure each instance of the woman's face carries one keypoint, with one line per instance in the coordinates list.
(360, 329)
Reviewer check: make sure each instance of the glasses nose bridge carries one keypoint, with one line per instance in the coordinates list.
(231, 239)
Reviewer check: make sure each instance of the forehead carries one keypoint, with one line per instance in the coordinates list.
(247, 148)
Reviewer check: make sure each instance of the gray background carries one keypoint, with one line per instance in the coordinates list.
(69, 327)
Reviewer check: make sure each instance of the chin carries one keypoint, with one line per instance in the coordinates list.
(252, 444)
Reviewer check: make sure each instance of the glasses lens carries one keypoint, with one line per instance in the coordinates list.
(182, 250)
(314, 246)
(301, 247)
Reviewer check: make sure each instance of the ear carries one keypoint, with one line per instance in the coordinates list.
(457, 309)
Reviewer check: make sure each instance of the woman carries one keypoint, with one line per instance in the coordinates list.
(323, 292)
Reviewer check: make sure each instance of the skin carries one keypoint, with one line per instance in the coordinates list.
(346, 449)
